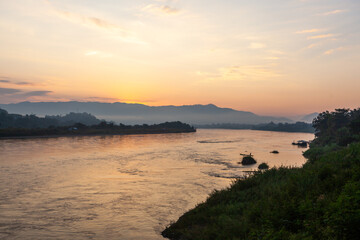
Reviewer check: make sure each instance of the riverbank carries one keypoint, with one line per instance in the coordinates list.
(320, 200)
(275, 127)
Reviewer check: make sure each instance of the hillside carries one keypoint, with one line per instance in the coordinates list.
(139, 113)
(8, 120)
(321, 200)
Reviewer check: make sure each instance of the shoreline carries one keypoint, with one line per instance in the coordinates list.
(88, 135)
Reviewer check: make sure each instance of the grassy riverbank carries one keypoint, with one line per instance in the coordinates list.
(321, 200)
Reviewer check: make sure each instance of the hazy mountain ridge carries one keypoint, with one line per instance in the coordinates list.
(130, 113)
(308, 118)
(32, 121)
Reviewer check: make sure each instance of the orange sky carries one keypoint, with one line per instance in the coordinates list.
(278, 58)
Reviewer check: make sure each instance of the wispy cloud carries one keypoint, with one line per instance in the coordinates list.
(313, 45)
(276, 52)
(321, 36)
(14, 82)
(331, 51)
(309, 31)
(22, 83)
(272, 58)
(9, 90)
(22, 93)
(116, 30)
(248, 71)
(160, 9)
(89, 21)
(98, 53)
(102, 99)
(240, 73)
(36, 93)
(337, 11)
(257, 45)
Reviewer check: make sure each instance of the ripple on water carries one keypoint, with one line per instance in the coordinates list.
(122, 187)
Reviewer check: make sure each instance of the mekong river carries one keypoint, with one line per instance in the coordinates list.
(123, 187)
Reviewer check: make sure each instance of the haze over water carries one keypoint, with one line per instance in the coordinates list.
(123, 187)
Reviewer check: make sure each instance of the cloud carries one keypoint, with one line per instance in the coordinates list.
(276, 52)
(36, 93)
(98, 53)
(9, 90)
(113, 100)
(117, 31)
(160, 9)
(17, 94)
(331, 51)
(89, 21)
(169, 10)
(12, 82)
(91, 53)
(256, 45)
(240, 73)
(308, 31)
(272, 58)
(22, 83)
(20, 93)
(248, 71)
(333, 12)
(321, 36)
(313, 45)
(102, 99)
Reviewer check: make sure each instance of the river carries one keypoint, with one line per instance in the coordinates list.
(123, 187)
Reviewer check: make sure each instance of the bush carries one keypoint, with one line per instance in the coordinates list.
(263, 166)
(319, 201)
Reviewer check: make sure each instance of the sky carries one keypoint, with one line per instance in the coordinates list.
(279, 57)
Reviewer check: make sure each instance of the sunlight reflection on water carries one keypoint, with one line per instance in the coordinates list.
(123, 187)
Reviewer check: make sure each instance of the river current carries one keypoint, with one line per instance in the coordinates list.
(123, 187)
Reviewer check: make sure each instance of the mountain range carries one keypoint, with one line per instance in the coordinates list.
(129, 113)
(305, 118)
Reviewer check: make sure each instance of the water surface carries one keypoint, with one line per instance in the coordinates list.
(123, 187)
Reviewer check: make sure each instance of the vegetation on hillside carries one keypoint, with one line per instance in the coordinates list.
(321, 200)
(31, 121)
(15, 125)
(334, 130)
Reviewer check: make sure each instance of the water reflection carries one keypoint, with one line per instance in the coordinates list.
(122, 187)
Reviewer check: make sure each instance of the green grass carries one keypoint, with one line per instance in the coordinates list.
(321, 200)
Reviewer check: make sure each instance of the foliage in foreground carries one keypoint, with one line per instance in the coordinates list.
(321, 200)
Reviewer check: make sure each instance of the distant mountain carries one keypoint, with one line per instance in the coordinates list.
(310, 117)
(32, 121)
(139, 113)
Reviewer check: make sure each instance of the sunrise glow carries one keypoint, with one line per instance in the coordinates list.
(268, 57)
